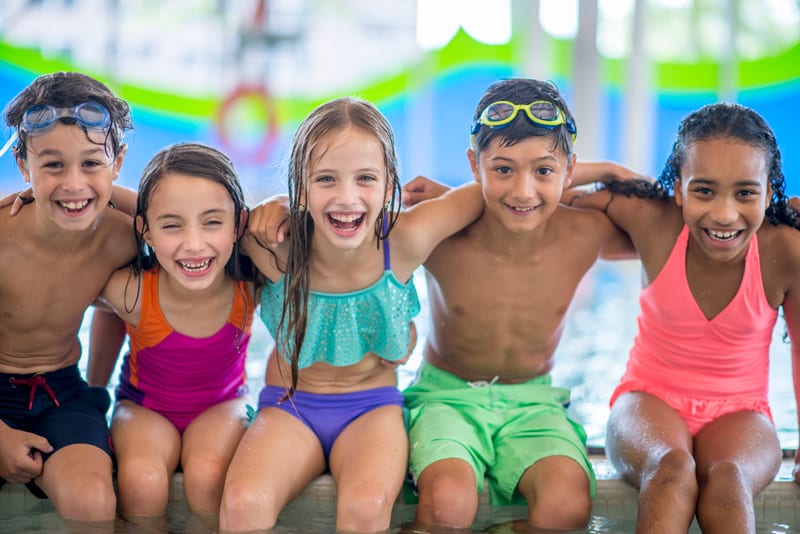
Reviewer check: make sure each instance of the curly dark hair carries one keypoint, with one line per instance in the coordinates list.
(64, 90)
(720, 121)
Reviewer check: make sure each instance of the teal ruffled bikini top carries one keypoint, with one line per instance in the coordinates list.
(343, 327)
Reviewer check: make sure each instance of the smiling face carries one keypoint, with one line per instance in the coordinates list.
(70, 174)
(723, 192)
(522, 183)
(191, 228)
(347, 187)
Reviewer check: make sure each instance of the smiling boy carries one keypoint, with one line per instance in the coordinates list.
(499, 290)
(57, 255)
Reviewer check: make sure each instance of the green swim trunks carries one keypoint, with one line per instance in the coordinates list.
(499, 429)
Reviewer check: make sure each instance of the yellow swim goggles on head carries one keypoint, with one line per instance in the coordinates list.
(540, 112)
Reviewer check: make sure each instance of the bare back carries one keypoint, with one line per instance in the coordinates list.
(47, 283)
(498, 301)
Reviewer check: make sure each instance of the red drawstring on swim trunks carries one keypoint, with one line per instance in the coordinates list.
(34, 382)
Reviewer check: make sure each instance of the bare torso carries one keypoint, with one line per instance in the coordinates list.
(498, 302)
(48, 282)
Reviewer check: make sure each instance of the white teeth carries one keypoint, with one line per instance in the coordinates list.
(531, 208)
(723, 236)
(74, 205)
(345, 218)
(192, 266)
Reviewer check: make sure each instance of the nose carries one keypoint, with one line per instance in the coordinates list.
(524, 187)
(724, 211)
(192, 238)
(74, 180)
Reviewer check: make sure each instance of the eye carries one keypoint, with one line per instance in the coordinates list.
(92, 163)
(52, 165)
(705, 191)
(503, 170)
(544, 171)
(213, 222)
(367, 178)
(324, 178)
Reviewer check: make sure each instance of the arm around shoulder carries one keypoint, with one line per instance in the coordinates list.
(425, 225)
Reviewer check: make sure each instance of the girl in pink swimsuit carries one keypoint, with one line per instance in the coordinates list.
(188, 305)
(690, 424)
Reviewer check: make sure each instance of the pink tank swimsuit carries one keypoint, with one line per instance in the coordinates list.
(702, 368)
(179, 376)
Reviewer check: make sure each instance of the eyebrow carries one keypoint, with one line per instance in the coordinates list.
(335, 171)
(708, 181)
(56, 152)
(212, 211)
(548, 157)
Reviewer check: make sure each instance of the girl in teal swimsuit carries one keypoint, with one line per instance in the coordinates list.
(340, 307)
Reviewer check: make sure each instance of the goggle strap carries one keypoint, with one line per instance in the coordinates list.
(8, 144)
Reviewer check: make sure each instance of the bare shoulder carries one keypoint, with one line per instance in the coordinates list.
(780, 245)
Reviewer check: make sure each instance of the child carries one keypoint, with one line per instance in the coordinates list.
(57, 255)
(339, 299)
(499, 291)
(188, 305)
(690, 424)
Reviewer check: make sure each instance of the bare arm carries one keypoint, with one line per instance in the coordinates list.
(426, 224)
(420, 189)
(106, 337)
(589, 172)
(124, 199)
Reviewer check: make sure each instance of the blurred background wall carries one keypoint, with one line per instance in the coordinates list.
(240, 74)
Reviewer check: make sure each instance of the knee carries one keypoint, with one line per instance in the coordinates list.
(143, 485)
(725, 474)
(203, 484)
(675, 467)
(558, 510)
(245, 507)
(445, 502)
(90, 500)
(364, 509)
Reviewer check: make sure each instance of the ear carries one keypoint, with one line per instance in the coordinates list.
(142, 229)
(677, 187)
(119, 159)
(570, 170)
(23, 169)
(472, 156)
(244, 216)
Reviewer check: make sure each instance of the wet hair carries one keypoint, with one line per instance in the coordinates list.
(196, 160)
(327, 119)
(64, 90)
(720, 121)
(523, 91)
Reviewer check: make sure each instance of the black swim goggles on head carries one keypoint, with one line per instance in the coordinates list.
(540, 112)
(89, 115)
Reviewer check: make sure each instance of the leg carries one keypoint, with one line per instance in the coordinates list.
(737, 455)
(78, 481)
(208, 445)
(276, 459)
(368, 462)
(649, 444)
(557, 491)
(147, 447)
(448, 494)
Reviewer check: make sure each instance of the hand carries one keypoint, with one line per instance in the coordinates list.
(420, 189)
(17, 200)
(794, 203)
(411, 346)
(269, 221)
(21, 454)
